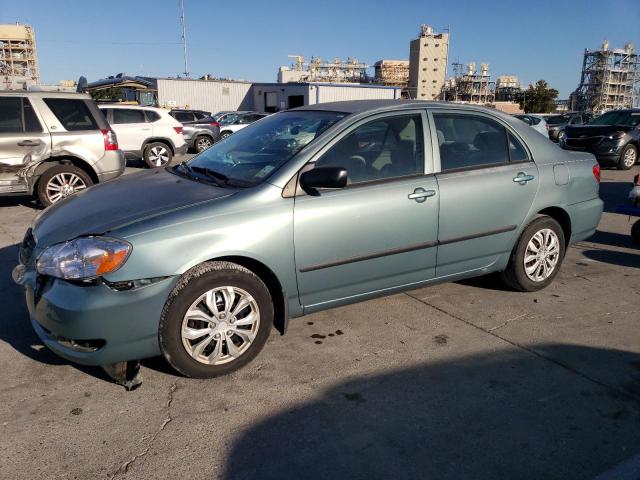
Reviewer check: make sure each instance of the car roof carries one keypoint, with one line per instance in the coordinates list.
(360, 106)
(135, 107)
(30, 93)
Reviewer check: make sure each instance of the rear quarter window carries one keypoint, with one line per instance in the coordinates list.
(74, 115)
(152, 116)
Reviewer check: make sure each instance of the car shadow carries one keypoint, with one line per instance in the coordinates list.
(24, 200)
(15, 327)
(614, 194)
(612, 239)
(622, 259)
(503, 414)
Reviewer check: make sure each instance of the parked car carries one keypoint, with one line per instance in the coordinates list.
(199, 128)
(232, 122)
(557, 123)
(613, 137)
(537, 122)
(197, 261)
(146, 132)
(54, 144)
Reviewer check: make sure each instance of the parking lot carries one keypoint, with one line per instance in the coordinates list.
(460, 380)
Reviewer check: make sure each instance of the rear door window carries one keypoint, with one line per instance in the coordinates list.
(128, 115)
(470, 141)
(10, 115)
(152, 116)
(183, 117)
(74, 115)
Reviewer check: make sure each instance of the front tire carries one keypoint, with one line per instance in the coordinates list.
(628, 157)
(224, 135)
(216, 320)
(157, 154)
(536, 259)
(61, 181)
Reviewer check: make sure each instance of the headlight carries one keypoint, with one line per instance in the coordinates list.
(616, 135)
(83, 258)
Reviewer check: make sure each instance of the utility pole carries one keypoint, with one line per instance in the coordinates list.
(184, 39)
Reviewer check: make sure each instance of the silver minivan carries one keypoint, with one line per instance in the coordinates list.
(54, 144)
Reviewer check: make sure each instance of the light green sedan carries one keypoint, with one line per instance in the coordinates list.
(301, 211)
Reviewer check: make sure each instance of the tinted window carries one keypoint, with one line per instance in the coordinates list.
(203, 116)
(228, 119)
(152, 116)
(517, 153)
(535, 120)
(470, 141)
(524, 118)
(31, 122)
(125, 115)
(10, 115)
(381, 149)
(620, 117)
(73, 114)
(183, 116)
(557, 119)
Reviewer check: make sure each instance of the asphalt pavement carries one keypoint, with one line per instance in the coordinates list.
(463, 380)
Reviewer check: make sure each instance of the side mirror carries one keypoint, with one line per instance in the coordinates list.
(323, 177)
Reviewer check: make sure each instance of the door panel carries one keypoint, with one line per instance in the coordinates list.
(22, 137)
(362, 239)
(130, 127)
(486, 204)
(487, 187)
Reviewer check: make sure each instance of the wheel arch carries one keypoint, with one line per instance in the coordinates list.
(561, 216)
(66, 160)
(164, 140)
(270, 279)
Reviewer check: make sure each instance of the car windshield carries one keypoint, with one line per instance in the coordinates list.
(629, 119)
(557, 119)
(250, 155)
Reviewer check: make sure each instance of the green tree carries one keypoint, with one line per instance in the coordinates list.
(538, 98)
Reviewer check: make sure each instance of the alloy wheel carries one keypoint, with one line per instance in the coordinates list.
(541, 255)
(64, 184)
(630, 157)
(203, 143)
(220, 325)
(158, 155)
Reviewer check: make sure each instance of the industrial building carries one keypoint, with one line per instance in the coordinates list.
(507, 89)
(428, 59)
(317, 70)
(470, 87)
(18, 59)
(215, 96)
(610, 79)
(392, 73)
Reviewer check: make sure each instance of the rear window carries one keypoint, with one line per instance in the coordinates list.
(73, 114)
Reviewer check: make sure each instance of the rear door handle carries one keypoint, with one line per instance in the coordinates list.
(522, 178)
(28, 143)
(420, 194)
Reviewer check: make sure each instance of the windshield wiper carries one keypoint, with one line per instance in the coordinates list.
(218, 177)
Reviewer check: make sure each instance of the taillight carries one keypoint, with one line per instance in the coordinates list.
(178, 129)
(110, 140)
(214, 124)
(596, 172)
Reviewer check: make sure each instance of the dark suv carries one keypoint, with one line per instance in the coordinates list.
(199, 128)
(613, 137)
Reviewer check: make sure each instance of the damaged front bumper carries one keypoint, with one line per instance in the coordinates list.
(95, 324)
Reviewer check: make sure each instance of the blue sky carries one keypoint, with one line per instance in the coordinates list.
(249, 39)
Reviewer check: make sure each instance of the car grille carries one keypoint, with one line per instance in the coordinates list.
(27, 247)
(582, 143)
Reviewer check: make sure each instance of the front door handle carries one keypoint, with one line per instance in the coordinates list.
(28, 143)
(420, 194)
(522, 178)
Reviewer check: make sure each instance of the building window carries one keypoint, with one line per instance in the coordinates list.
(435, 69)
(425, 59)
(424, 69)
(437, 45)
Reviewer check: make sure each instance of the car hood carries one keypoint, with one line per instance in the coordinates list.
(595, 130)
(111, 205)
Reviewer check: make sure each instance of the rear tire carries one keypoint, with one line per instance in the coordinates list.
(202, 142)
(543, 244)
(628, 157)
(157, 154)
(60, 182)
(205, 312)
(224, 135)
